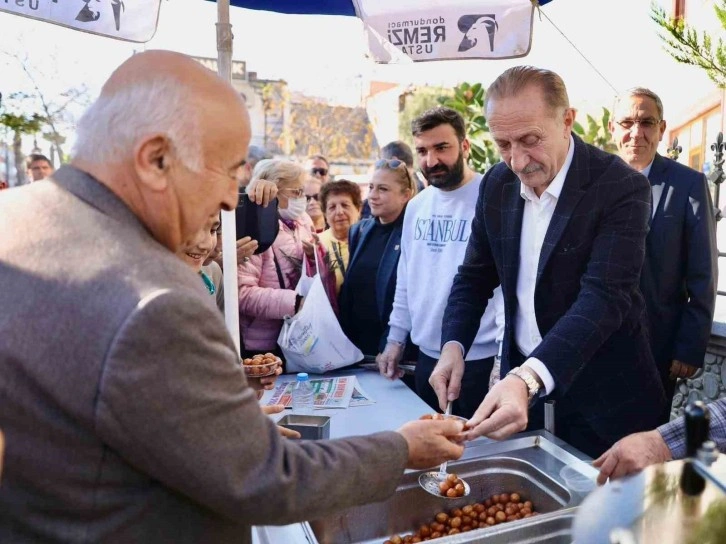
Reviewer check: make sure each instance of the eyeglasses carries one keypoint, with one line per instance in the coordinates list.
(294, 193)
(646, 124)
(389, 163)
(322, 172)
(314, 197)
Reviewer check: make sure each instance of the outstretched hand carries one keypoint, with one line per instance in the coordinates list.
(631, 454)
(284, 431)
(503, 412)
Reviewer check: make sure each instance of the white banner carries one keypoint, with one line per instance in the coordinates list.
(411, 30)
(130, 20)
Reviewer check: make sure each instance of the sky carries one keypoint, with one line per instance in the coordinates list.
(325, 56)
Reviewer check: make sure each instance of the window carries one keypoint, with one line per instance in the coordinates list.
(695, 139)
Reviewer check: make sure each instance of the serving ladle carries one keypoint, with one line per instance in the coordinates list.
(430, 481)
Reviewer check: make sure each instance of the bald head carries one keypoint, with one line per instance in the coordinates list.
(167, 135)
(170, 66)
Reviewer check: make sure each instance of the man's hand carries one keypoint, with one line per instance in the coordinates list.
(389, 359)
(262, 191)
(503, 412)
(265, 383)
(430, 443)
(447, 374)
(682, 370)
(631, 454)
(284, 431)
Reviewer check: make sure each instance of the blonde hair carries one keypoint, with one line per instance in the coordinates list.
(404, 176)
(277, 170)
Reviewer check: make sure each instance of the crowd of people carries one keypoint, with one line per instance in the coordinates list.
(563, 272)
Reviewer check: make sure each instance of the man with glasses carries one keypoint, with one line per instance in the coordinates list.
(318, 166)
(436, 230)
(679, 275)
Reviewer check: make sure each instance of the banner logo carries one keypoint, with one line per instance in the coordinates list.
(477, 29)
(90, 12)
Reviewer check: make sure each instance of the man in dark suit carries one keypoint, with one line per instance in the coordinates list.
(681, 259)
(561, 226)
(126, 413)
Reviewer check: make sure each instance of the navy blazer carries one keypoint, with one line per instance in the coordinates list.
(385, 276)
(681, 265)
(589, 308)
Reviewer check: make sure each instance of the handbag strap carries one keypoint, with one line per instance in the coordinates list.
(339, 257)
(280, 277)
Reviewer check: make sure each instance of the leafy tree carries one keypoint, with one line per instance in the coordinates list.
(598, 132)
(337, 132)
(689, 46)
(21, 125)
(468, 100)
(275, 97)
(57, 108)
(413, 104)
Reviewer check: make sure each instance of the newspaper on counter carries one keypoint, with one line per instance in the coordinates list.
(360, 397)
(334, 392)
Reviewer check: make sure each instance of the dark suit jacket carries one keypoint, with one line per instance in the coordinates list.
(126, 413)
(681, 265)
(385, 276)
(589, 308)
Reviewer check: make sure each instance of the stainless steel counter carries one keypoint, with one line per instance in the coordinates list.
(529, 463)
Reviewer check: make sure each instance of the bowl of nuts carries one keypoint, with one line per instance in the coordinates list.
(261, 365)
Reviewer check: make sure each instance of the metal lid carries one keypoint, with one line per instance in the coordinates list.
(650, 507)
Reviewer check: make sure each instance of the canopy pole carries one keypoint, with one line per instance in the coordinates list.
(229, 229)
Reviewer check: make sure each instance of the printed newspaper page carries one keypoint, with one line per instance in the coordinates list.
(329, 392)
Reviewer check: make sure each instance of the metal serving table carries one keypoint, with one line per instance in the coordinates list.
(532, 464)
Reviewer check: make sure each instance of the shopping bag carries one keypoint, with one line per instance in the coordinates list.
(306, 281)
(312, 340)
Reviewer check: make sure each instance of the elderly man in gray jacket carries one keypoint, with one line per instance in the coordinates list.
(126, 414)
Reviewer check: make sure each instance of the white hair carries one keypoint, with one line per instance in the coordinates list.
(278, 171)
(114, 124)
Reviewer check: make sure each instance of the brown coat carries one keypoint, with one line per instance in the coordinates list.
(126, 415)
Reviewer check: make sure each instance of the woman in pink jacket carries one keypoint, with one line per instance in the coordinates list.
(267, 281)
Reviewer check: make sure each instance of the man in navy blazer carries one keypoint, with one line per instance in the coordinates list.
(681, 259)
(561, 225)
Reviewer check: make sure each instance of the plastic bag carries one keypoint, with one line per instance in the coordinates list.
(305, 283)
(312, 340)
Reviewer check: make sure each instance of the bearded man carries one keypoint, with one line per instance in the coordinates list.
(435, 233)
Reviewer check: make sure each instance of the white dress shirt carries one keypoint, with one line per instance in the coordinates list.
(656, 190)
(536, 219)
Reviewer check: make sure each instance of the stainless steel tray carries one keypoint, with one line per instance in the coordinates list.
(550, 529)
(529, 465)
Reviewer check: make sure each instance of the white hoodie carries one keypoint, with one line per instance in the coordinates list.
(436, 230)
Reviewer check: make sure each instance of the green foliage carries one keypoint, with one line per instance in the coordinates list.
(414, 104)
(689, 46)
(22, 124)
(598, 132)
(468, 100)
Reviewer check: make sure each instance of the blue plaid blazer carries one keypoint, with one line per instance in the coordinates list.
(589, 307)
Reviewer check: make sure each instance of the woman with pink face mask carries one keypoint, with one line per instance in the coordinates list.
(267, 281)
